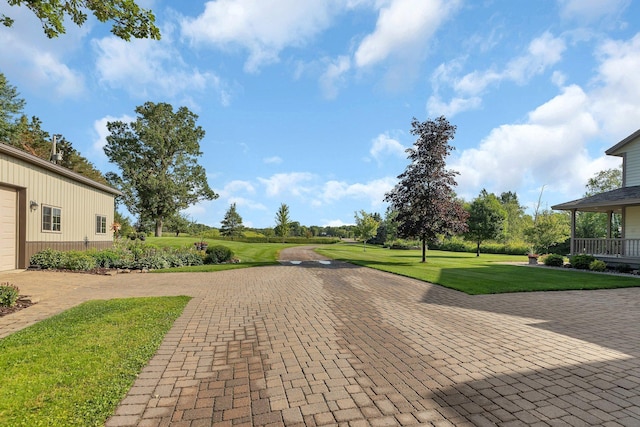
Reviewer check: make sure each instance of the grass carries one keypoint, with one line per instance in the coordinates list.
(250, 254)
(74, 368)
(486, 274)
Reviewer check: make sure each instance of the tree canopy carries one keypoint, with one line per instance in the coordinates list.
(366, 227)
(231, 225)
(157, 156)
(486, 218)
(424, 198)
(283, 222)
(17, 130)
(595, 224)
(129, 19)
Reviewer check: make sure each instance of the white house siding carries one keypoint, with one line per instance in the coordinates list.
(632, 163)
(632, 222)
(79, 199)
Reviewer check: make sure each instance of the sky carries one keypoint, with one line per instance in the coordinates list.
(310, 103)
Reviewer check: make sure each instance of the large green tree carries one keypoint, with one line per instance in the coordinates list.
(594, 224)
(424, 199)
(486, 219)
(549, 228)
(366, 227)
(157, 157)
(516, 221)
(231, 224)
(129, 19)
(11, 106)
(283, 222)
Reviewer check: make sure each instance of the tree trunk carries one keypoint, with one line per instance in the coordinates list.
(478, 249)
(424, 249)
(158, 232)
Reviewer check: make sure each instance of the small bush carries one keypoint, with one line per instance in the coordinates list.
(597, 265)
(47, 259)
(554, 260)
(8, 294)
(581, 262)
(218, 254)
(624, 268)
(77, 260)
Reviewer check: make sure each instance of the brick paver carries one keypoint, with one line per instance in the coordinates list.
(329, 344)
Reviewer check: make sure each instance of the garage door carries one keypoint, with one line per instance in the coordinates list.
(7, 229)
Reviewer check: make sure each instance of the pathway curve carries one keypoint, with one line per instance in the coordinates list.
(334, 344)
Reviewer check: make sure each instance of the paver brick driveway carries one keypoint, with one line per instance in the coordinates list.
(316, 344)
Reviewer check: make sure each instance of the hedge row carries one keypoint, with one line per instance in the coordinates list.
(133, 256)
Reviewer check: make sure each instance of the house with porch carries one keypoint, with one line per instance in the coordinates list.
(624, 201)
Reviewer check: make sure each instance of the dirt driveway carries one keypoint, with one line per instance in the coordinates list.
(313, 342)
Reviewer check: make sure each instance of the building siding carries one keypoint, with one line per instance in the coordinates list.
(78, 199)
(632, 164)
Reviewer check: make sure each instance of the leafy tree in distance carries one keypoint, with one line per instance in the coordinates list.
(129, 19)
(27, 135)
(594, 224)
(157, 156)
(549, 228)
(516, 220)
(283, 222)
(486, 218)
(366, 227)
(178, 223)
(11, 106)
(424, 199)
(231, 225)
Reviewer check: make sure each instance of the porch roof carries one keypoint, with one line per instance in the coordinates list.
(613, 200)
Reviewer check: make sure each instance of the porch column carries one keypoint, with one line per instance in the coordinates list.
(609, 220)
(573, 232)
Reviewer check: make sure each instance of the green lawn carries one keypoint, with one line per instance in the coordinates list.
(473, 275)
(250, 254)
(74, 368)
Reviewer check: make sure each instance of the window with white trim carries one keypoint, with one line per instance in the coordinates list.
(101, 224)
(51, 218)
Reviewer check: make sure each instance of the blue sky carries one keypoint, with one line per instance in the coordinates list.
(310, 103)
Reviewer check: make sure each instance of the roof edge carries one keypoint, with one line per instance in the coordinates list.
(60, 170)
(612, 151)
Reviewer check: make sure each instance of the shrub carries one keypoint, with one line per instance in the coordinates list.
(47, 259)
(218, 254)
(597, 265)
(581, 262)
(8, 294)
(554, 260)
(77, 260)
(624, 268)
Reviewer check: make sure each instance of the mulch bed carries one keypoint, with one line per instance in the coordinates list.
(23, 302)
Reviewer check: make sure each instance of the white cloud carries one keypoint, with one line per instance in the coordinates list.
(234, 187)
(591, 10)
(333, 77)
(334, 223)
(147, 68)
(542, 53)
(38, 62)
(402, 27)
(617, 99)
(287, 183)
(373, 191)
(436, 107)
(383, 146)
(242, 202)
(262, 27)
(549, 149)
(101, 132)
(273, 160)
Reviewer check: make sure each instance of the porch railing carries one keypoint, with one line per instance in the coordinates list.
(606, 247)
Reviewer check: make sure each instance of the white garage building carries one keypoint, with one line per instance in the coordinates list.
(43, 205)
